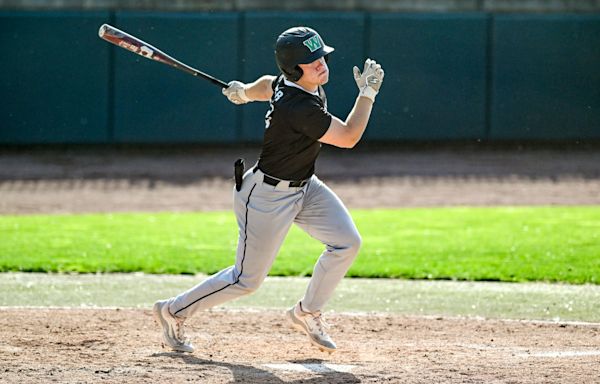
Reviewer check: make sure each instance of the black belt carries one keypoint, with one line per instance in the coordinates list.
(274, 182)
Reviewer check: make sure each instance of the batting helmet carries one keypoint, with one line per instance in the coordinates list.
(298, 45)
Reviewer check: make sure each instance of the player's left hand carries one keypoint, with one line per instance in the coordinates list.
(370, 80)
(236, 92)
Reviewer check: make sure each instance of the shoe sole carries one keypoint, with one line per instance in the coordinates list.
(163, 324)
(296, 326)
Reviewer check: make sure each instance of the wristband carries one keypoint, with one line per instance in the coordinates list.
(242, 94)
(368, 92)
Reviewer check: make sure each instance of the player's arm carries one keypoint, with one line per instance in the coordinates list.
(346, 134)
(260, 90)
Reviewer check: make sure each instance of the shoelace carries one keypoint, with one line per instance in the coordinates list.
(320, 323)
(180, 331)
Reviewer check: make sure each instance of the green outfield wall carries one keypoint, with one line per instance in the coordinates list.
(449, 76)
(54, 78)
(155, 103)
(545, 77)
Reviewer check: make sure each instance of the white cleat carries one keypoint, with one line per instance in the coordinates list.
(313, 326)
(172, 327)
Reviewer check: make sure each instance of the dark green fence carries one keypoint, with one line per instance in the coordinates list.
(155, 103)
(546, 77)
(435, 83)
(448, 76)
(54, 78)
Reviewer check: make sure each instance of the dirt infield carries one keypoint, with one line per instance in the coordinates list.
(116, 346)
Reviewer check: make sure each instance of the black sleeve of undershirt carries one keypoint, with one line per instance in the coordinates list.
(310, 118)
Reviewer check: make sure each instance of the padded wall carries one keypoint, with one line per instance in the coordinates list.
(54, 78)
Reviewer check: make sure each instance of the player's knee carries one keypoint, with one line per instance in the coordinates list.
(247, 290)
(248, 286)
(352, 243)
(356, 242)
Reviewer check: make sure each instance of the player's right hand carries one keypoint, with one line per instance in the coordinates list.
(236, 93)
(370, 80)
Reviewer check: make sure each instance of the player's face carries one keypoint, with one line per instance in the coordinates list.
(316, 72)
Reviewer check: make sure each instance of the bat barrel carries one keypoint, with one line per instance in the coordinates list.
(124, 40)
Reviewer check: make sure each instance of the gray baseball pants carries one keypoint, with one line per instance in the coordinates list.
(265, 214)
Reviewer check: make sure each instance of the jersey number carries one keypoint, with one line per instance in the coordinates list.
(276, 98)
(268, 116)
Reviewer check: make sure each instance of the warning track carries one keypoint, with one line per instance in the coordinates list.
(187, 179)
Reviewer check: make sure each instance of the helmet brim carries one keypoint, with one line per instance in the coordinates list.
(316, 55)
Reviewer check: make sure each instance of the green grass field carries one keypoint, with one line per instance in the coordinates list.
(504, 244)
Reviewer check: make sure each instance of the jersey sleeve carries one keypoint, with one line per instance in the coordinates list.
(310, 118)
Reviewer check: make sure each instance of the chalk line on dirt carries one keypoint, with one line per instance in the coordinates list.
(560, 354)
(315, 368)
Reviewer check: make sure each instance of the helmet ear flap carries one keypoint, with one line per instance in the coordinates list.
(297, 74)
(294, 74)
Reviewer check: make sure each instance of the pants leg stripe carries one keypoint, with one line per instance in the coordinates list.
(237, 279)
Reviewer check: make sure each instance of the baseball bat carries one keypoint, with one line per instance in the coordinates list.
(140, 47)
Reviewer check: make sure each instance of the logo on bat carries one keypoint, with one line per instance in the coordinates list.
(128, 46)
(145, 51)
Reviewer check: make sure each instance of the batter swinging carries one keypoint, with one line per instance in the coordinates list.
(282, 189)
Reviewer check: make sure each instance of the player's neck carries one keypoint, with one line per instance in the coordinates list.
(308, 86)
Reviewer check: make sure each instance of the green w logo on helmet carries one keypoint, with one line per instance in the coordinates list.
(313, 43)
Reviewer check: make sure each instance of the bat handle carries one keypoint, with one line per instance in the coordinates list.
(215, 81)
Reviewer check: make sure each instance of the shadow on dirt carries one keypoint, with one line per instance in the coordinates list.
(250, 374)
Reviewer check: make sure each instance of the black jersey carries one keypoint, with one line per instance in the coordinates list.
(295, 122)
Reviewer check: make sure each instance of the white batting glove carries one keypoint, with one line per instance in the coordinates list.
(236, 93)
(369, 81)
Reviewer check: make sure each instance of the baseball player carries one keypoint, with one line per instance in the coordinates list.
(282, 189)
